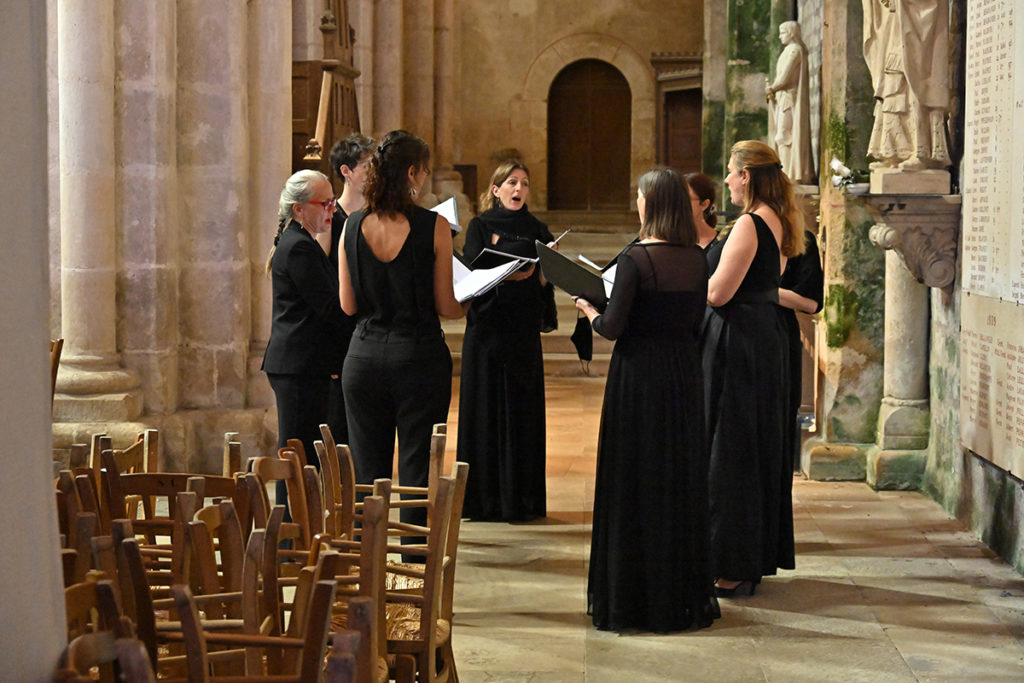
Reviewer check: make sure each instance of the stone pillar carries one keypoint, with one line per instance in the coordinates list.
(361, 18)
(447, 181)
(92, 386)
(419, 69)
(713, 89)
(33, 631)
(389, 61)
(919, 234)
(747, 42)
(851, 352)
(270, 107)
(146, 200)
(214, 212)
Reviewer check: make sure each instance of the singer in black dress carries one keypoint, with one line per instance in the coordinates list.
(501, 398)
(649, 565)
(746, 373)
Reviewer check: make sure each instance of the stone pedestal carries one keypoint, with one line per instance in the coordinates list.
(919, 233)
(897, 181)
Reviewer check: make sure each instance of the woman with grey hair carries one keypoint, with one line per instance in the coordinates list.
(307, 316)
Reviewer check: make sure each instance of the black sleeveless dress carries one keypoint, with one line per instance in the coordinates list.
(746, 373)
(649, 564)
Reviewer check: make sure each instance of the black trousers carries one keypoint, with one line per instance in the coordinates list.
(394, 385)
(301, 408)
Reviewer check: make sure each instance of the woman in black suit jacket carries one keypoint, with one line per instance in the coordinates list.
(307, 314)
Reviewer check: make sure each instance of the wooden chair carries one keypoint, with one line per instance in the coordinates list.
(361, 575)
(286, 468)
(101, 650)
(311, 645)
(415, 626)
(56, 346)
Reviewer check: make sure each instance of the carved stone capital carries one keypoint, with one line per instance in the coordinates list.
(923, 230)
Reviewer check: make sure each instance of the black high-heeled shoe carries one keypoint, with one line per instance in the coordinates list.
(746, 586)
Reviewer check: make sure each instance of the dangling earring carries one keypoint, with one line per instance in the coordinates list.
(412, 192)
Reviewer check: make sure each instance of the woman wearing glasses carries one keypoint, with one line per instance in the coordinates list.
(395, 277)
(307, 318)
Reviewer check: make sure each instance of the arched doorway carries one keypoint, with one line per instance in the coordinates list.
(588, 138)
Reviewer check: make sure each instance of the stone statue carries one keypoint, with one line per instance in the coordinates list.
(906, 47)
(789, 109)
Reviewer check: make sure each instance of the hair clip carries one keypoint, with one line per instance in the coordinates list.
(778, 166)
(381, 148)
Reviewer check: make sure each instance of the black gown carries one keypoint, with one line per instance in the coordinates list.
(501, 397)
(746, 373)
(804, 276)
(649, 566)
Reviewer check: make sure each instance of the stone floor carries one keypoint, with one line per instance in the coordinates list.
(888, 587)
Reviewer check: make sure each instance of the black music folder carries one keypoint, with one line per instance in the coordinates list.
(570, 276)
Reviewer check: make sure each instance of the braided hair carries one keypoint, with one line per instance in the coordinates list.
(387, 188)
(297, 189)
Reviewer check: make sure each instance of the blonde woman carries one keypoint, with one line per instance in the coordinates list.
(746, 370)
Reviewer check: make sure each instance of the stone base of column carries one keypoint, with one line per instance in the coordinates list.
(823, 461)
(190, 440)
(903, 423)
(96, 390)
(895, 470)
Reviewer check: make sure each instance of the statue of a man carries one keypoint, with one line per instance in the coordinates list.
(906, 47)
(789, 107)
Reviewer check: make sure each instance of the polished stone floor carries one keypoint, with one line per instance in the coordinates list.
(888, 587)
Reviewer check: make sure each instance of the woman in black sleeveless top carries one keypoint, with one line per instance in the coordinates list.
(395, 277)
(746, 377)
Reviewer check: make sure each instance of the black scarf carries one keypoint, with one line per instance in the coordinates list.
(520, 227)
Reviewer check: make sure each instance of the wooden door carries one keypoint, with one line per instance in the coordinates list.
(681, 142)
(589, 138)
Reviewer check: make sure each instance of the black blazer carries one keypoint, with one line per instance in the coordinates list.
(308, 328)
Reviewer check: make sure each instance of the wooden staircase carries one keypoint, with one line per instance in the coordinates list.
(560, 359)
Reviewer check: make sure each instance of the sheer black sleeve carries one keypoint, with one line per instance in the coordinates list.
(803, 273)
(612, 322)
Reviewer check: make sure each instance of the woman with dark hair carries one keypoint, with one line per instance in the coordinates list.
(702, 203)
(649, 551)
(395, 278)
(746, 371)
(307, 319)
(501, 399)
(349, 159)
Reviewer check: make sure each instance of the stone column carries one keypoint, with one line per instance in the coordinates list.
(447, 182)
(747, 40)
(388, 59)
(851, 354)
(214, 212)
(919, 234)
(361, 17)
(270, 112)
(33, 631)
(419, 69)
(146, 204)
(92, 385)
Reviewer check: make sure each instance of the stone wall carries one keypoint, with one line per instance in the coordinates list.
(510, 53)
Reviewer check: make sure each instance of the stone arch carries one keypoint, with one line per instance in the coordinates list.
(530, 104)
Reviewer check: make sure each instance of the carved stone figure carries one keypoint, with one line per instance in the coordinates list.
(906, 47)
(789, 107)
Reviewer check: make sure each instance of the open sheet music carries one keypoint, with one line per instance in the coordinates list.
(471, 283)
(450, 211)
